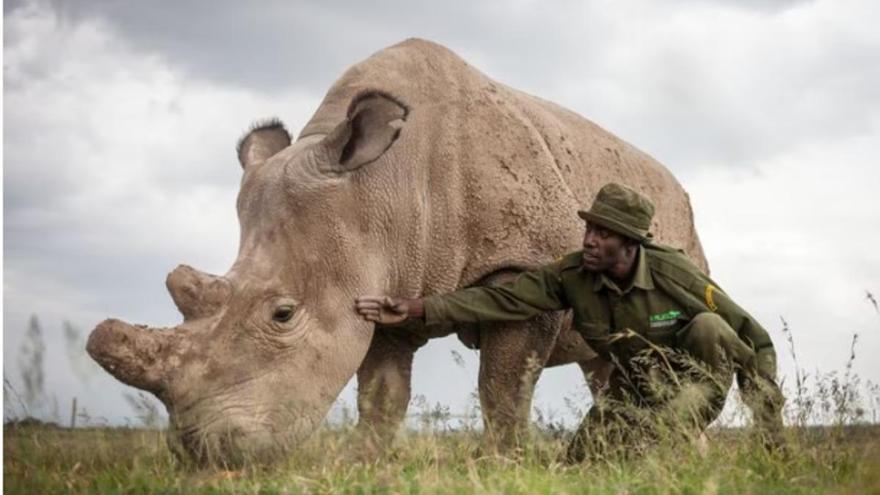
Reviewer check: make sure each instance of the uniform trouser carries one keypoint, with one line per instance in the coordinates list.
(676, 385)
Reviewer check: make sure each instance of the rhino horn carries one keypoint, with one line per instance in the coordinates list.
(197, 294)
(135, 355)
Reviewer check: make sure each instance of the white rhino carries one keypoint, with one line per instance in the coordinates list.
(417, 175)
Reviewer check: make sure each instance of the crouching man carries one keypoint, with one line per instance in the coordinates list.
(676, 339)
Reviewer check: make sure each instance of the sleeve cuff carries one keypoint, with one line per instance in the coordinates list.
(434, 310)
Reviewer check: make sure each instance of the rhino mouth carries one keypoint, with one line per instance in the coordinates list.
(228, 446)
(240, 439)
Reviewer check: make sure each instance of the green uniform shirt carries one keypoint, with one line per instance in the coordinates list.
(667, 290)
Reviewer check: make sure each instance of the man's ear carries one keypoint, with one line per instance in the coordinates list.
(263, 141)
(373, 122)
(631, 244)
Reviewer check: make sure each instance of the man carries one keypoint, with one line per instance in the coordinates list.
(676, 339)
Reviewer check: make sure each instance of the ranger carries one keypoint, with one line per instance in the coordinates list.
(675, 337)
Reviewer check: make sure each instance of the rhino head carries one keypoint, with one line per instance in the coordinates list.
(264, 350)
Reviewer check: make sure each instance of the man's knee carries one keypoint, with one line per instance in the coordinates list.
(708, 321)
(706, 327)
(706, 334)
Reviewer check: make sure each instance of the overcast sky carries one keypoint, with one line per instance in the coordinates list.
(121, 118)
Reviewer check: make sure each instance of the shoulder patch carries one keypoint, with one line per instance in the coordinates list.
(710, 300)
(674, 267)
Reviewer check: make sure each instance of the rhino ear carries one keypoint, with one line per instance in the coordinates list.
(372, 125)
(262, 142)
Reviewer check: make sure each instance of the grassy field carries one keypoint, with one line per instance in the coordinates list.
(442, 456)
(39, 459)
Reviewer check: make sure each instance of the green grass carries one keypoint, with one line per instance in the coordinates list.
(829, 460)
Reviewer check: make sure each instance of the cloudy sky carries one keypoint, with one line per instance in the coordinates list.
(120, 121)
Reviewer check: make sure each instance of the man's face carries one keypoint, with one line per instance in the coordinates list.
(603, 248)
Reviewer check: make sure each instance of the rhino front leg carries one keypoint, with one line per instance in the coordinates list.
(384, 384)
(596, 371)
(512, 356)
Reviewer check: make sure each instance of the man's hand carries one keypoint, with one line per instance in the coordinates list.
(386, 310)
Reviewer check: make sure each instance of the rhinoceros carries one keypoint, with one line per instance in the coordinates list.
(417, 175)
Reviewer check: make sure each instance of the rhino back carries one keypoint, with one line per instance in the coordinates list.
(504, 171)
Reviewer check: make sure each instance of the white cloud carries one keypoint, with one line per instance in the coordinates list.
(706, 84)
(114, 141)
(796, 238)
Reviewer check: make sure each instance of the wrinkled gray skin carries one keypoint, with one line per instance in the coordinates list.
(417, 175)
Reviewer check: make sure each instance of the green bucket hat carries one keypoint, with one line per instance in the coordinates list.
(622, 210)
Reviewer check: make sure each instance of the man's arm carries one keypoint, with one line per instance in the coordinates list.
(530, 294)
(758, 382)
(748, 329)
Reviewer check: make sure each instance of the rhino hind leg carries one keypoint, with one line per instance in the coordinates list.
(512, 356)
(384, 384)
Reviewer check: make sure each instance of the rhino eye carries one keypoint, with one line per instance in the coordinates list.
(283, 314)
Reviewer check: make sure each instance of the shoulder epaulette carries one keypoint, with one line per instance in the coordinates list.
(570, 260)
(674, 264)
